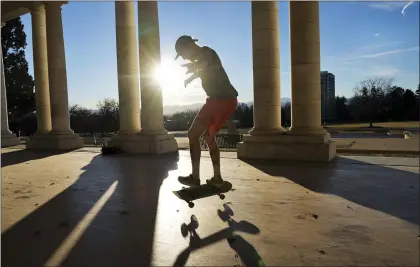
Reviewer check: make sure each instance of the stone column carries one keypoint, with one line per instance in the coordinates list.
(266, 68)
(61, 136)
(153, 138)
(149, 57)
(128, 67)
(57, 70)
(305, 69)
(42, 90)
(7, 138)
(307, 141)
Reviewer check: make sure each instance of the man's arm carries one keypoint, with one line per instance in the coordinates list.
(205, 62)
(191, 78)
(196, 65)
(194, 76)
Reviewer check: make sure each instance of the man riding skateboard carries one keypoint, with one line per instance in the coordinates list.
(220, 104)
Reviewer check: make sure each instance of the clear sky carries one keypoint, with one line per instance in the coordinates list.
(358, 40)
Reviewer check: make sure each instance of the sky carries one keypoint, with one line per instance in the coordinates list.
(358, 40)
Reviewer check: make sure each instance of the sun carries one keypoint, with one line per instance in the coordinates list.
(170, 75)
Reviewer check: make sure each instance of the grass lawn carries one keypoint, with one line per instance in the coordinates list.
(397, 125)
(353, 126)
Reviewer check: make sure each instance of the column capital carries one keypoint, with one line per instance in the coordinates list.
(55, 4)
(37, 7)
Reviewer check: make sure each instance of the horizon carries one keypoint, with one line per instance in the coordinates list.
(358, 40)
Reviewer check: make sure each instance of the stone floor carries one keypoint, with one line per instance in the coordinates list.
(84, 209)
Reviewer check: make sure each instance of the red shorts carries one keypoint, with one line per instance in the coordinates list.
(216, 112)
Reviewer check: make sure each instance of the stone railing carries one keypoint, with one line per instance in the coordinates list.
(224, 141)
(97, 139)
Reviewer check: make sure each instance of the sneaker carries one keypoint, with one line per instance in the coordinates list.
(216, 182)
(189, 180)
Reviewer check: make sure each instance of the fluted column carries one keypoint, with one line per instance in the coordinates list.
(57, 70)
(4, 112)
(266, 68)
(42, 90)
(127, 65)
(7, 138)
(149, 57)
(305, 68)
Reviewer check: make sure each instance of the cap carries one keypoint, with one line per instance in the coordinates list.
(181, 42)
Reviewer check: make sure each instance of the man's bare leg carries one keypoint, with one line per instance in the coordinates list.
(215, 159)
(194, 133)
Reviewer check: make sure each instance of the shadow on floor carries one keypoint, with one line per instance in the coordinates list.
(16, 156)
(379, 187)
(106, 218)
(244, 250)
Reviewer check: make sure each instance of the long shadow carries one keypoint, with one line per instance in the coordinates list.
(23, 155)
(70, 229)
(374, 186)
(246, 252)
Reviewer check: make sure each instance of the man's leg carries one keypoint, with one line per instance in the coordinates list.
(198, 127)
(214, 155)
(224, 110)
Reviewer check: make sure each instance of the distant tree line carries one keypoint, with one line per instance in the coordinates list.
(375, 99)
(378, 100)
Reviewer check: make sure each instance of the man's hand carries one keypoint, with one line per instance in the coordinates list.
(187, 82)
(191, 68)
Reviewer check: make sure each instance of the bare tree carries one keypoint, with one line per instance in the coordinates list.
(370, 95)
(108, 110)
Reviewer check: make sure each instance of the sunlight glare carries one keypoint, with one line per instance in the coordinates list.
(170, 75)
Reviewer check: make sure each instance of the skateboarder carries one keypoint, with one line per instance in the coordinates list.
(220, 104)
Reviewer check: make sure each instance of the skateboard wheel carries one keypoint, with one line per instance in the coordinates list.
(191, 205)
(222, 196)
(183, 187)
(184, 230)
(194, 222)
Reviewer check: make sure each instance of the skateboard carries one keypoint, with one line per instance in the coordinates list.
(189, 194)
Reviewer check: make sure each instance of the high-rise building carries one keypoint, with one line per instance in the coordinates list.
(327, 97)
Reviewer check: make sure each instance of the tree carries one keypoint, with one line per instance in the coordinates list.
(19, 84)
(286, 114)
(342, 110)
(82, 119)
(394, 106)
(410, 109)
(244, 114)
(108, 110)
(370, 96)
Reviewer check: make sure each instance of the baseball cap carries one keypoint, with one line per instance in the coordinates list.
(181, 42)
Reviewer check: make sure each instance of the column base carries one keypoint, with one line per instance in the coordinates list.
(145, 143)
(9, 139)
(318, 148)
(53, 141)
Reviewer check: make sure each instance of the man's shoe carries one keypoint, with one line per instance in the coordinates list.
(216, 182)
(189, 180)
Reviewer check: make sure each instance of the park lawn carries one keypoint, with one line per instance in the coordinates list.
(390, 125)
(353, 126)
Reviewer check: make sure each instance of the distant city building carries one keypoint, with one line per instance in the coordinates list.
(327, 97)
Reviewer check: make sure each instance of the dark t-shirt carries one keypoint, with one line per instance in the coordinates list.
(214, 78)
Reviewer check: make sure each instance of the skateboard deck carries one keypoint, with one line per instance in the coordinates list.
(189, 194)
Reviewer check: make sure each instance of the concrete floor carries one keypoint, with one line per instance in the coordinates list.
(83, 209)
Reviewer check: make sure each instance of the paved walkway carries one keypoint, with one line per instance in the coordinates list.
(83, 209)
